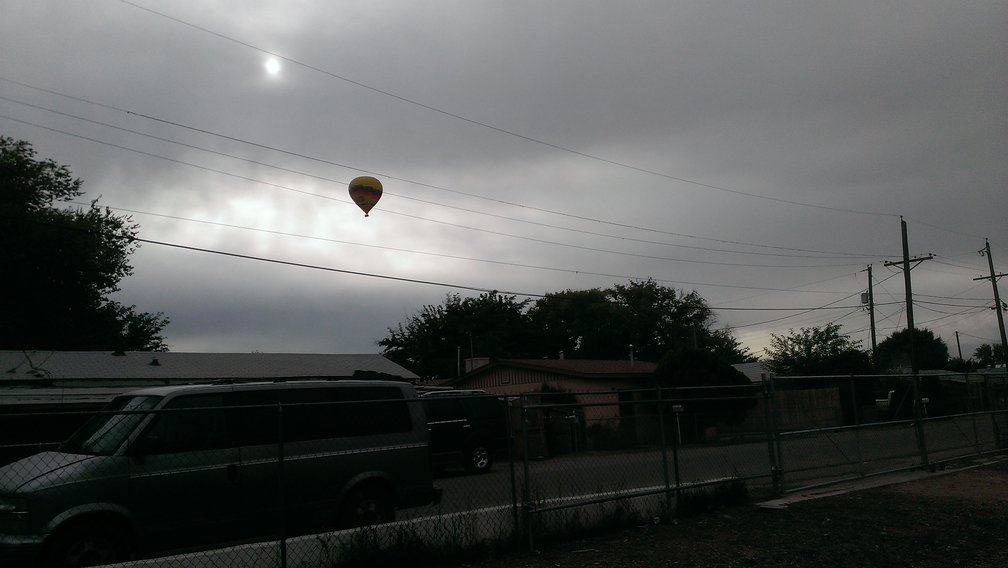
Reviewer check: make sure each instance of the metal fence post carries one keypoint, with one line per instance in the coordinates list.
(919, 420)
(664, 456)
(282, 497)
(856, 409)
(972, 413)
(773, 444)
(526, 500)
(514, 484)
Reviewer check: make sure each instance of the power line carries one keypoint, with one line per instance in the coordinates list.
(392, 212)
(133, 238)
(987, 339)
(492, 127)
(330, 269)
(443, 255)
(410, 198)
(798, 314)
(429, 282)
(422, 184)
(916, 302)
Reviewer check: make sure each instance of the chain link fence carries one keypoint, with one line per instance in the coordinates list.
(316, 476)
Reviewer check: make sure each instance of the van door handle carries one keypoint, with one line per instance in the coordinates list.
(232, 472)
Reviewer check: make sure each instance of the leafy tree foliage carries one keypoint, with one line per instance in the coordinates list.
(62, 264)
(578, 323)
(583, 324)
(989, 355)
(722, 342)
(962, 365)
(644, 316)
(430, 341)
(690, 367)
(816, 351)
(893, 352)
(660, 319)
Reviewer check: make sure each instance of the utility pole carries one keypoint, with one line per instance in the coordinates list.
(871, 313)
(958, 346)
(998, 307)
(905, 265)
(918, 421)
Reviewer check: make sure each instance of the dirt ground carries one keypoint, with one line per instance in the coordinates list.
(943, 520)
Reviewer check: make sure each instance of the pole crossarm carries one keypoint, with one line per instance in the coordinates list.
(916, 260)
(989, 277)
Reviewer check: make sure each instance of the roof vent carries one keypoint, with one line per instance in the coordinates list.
(154, 362)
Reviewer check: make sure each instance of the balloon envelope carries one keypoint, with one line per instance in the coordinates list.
(365, 192)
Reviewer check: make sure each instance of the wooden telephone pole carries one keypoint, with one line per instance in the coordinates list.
(905, 265)
(918, 418)
(998, 307)
(871, 312)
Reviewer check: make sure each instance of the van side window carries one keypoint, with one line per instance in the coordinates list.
(254, 417)
(315, 414)
(186, 427)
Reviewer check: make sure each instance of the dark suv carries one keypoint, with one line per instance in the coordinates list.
(467, 428)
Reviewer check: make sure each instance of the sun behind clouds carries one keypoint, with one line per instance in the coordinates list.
(272, 66)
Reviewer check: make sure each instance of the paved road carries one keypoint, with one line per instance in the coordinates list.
(807, 458)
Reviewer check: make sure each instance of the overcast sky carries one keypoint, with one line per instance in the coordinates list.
(759, 152)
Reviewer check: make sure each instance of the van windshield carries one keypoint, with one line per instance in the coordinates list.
(104, 433)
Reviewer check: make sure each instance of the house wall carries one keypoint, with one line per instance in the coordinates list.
(513, 381)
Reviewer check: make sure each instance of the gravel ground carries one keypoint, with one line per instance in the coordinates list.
(957, 518)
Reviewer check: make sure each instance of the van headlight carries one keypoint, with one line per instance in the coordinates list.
(10, 505)
(13, 514)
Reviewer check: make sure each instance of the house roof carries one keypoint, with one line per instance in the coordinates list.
(18, 366)
(93, 377)
(585, 368)
(754, 370)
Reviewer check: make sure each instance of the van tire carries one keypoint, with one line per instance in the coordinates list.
(89, 543)
(478, 458)
(367, 505)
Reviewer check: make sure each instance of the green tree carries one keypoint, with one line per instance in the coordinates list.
(579, 323)
(429, 342)
(660, 319)
(989, 355)
(722, 342)
(816, 351)
(962, 365)
(62, 264)
(598, 323)
(643, 315)
(893, 352)
(693, 372)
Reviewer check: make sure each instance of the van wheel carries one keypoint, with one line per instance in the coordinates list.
(91, 544)
(478, 459)
(365, 506)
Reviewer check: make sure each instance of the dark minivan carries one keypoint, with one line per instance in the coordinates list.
(176, 466)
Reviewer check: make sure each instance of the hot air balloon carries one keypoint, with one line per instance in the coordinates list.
(365, 192)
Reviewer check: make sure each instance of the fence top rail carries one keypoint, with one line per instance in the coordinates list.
(664, 389)
(672, 401)
(999, 374)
